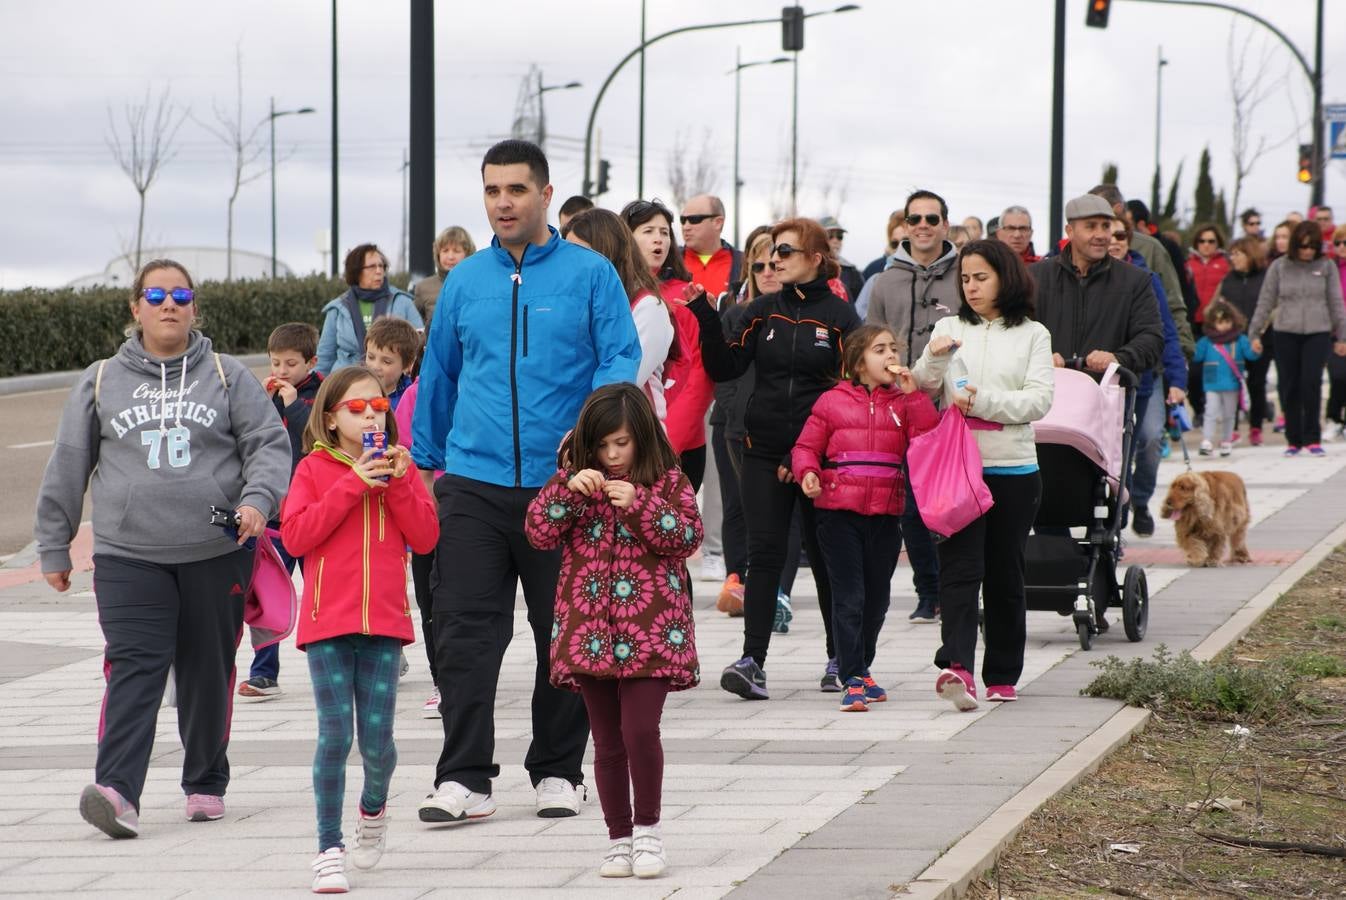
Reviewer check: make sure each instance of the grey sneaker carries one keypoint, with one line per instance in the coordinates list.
(259, 689)
(371, 836)
(746, 679)
(830, 683)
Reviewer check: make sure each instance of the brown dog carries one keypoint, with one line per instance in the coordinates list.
(1210, 508)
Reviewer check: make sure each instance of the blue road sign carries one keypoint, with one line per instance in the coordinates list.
(1335, 114)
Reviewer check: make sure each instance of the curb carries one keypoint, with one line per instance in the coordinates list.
(950, 876)
(51, 381)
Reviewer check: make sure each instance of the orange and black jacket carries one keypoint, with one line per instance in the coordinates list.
(795, 340)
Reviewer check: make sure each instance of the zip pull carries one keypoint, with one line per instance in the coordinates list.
(516, 278)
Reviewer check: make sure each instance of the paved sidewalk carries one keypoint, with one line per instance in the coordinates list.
(788, 798)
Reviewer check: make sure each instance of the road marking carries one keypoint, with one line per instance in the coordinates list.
(30, 446)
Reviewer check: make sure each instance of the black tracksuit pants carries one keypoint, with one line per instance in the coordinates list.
(1300, 359)
(422, 564)
(989, 555)
(482, 554)
(768, 506)
(188, 616)
(861, 553)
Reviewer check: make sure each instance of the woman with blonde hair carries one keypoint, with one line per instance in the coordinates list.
(452, 246)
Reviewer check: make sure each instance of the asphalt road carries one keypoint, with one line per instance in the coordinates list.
(25, 446)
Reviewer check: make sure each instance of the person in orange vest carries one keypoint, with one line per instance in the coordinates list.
(712, 262)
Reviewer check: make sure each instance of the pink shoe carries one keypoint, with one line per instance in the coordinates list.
(955, 685)
(1001, 693)
(108, 811)
(1255, 436)
(204, 807)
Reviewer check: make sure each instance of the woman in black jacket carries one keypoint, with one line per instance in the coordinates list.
(794, 338)
(1247, 269)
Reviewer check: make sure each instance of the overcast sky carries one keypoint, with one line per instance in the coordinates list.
(954, 96)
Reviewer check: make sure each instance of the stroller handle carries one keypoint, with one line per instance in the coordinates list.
(1125, 377)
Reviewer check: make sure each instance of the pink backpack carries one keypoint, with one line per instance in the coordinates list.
(944, 467)
(270, 606)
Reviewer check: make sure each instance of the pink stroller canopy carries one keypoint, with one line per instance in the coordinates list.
(1086, 415)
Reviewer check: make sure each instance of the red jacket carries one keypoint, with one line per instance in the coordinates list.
(715, 273)
(1206, 276)
(855, 442)
(688, 390)
(353, 536)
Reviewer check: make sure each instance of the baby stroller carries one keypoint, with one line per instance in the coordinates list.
(1085, 448)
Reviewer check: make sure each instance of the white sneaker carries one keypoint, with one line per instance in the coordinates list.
(430, 709)
(452, 802)
(712, 568)
(1206, 448)
(404, 667)
(557, 798)
(371, 834)
(617, 862)
(329, 872)
(647, 852)
(1226, 448)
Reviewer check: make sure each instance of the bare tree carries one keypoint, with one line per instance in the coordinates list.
(1250, 86)
(690, 175)
(780, 207)
(146, 147)
(835, 192)
(247, 149)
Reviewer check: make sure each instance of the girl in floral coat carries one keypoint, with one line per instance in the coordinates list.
(625, 519)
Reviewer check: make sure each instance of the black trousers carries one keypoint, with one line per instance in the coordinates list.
(1257, 381)
(861, 554)
(188, 616)
(1300, 359)
(482, 555)
(1196, 390)
(693, 465)
(733, 533)
(989, 554)
(792, 541)
(768, 506)
(422, 565)
(920, 553)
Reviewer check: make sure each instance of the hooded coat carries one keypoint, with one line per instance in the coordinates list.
(909, 298)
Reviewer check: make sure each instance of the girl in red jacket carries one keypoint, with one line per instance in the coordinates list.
(848, 461)
(351, 513)
(625, 519)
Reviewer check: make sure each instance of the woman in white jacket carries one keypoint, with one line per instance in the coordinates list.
(1009, 381)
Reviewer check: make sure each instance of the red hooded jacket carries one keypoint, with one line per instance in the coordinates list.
(855, 441)
(1206, 276)
(688, 390)
(353, 535)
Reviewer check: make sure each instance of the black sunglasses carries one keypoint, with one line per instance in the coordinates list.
(784, 251)
(696, 219)
(930, 219)
(1341, 243)
(181, 296)
(759, 267)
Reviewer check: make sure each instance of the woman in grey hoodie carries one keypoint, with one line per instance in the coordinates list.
(1303, 293)
(160, 432)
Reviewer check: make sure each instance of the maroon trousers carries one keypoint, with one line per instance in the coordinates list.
(624, 718)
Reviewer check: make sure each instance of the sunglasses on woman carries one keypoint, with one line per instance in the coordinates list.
(759, 267)
(156, 296)
(931, 219)
(784, 251)
(357, 405)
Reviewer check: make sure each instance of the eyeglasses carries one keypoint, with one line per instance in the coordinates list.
(759, 267)
(930, 219)
(1341, 243)
(696, 219)
(1119, 235)
(1017, 229)
(784, 251)
(357, 405)
(1254, 223)
(181, 296)
(1206, 240)
(835, 235)
(377, 265)
(1307, 245)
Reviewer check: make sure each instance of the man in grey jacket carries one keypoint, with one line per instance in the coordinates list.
(919, 287)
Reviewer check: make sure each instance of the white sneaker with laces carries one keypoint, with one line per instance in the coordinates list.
(453, 802)
(371, 833)
(647, 852)
(329, 872)
(712, 568)
(1226, 448)
(557, 798)
(1205, 448)
(617, 862)
(430, 709)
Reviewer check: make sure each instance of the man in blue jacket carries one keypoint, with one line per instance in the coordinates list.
(523, 332)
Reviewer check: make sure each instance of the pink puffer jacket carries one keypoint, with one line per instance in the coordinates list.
(856, 442)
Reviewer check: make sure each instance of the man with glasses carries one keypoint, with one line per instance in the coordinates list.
(919, 287)
(1251, 220)
(713, 263)
(1016, 231)
(850, 275)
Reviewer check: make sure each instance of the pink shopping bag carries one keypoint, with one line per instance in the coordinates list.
(270, 605)
(944, 466)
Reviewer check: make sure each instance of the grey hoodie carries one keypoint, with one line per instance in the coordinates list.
(910, 298)
(158, 466)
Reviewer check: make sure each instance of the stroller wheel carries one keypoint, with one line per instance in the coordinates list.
(1086, 634)
(1135, 603)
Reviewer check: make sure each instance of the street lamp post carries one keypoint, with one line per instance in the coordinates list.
(272, 117)
(739, 66)
(1160, 62)
(541, 117)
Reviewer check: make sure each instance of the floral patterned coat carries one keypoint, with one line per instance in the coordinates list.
(623, 609)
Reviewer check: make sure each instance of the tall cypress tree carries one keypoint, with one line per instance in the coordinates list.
(1205, 191)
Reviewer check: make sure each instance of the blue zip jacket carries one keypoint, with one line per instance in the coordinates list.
(1215, 372)
(1171, 359)
(341, 344)
(512, 353)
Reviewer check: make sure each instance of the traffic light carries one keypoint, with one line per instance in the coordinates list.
(1305, 163)
(792, 28)
(1097, 15)
(604, 167)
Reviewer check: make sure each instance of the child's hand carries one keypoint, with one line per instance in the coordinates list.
(270, 384)
(621, 494)
(587, 483)
(288, 392)
(811, 486)
(400, 457)
(905, 382)
(374, 467)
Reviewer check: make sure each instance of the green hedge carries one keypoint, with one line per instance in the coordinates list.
(45, 330)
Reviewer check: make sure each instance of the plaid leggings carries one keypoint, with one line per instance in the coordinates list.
(352, 673)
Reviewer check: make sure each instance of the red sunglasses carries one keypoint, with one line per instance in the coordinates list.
(357, 405)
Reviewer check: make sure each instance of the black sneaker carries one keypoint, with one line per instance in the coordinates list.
(259, 689)
(1142, 523)
(746, 679)
(923, 614)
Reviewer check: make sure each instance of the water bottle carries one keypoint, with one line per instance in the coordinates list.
(958, 372)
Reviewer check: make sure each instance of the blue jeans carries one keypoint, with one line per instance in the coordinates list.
(921, 553)
(266, 662)
(1150, 416)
